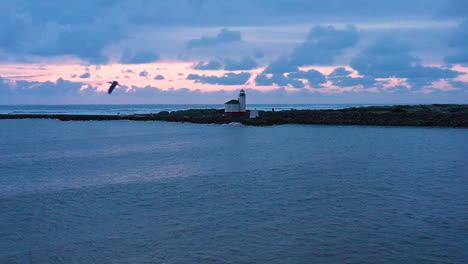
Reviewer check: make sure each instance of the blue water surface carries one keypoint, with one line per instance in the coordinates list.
(156, 192)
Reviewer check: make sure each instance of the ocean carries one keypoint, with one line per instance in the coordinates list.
(160, 192)
(151, 108)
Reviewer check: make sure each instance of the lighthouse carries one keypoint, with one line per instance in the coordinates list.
(236, 107)
(242, 101)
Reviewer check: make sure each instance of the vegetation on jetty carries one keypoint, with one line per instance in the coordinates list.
(446, 115)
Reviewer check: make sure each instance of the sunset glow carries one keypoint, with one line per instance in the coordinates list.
(303, 55)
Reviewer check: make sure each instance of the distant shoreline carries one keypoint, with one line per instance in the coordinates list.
(436, 115)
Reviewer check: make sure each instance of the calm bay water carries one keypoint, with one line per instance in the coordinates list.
(156, 192)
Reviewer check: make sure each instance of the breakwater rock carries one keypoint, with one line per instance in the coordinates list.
(444, 115)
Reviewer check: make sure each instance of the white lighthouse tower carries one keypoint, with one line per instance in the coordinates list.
(236, 107)
(242, 101)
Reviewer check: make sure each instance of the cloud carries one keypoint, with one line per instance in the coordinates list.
(63, 91)
(210, 65)
(277, 79)
(159, 77)
(40, 89)
(85, 75)
(384, 59)
(67, 92)
(227, 79)
(459, 84)
(461, 57)
(5, 87)
(137, 57)
(314, 77)
(459, 41)
(259, 12)
(322, 44)
(143, 91)
(143, 73)
(259, 54)
(95, 30)
(340, 77)
(85, 41)
(244, 64)
(320, 47)
(421, 76)
(224, 36)
(454, 8)
(339, 72)
(348, 81)
(137, 29)
(388, 58)
(281, 65)
(358, 9)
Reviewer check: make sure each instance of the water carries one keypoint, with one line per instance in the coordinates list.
(156, 192)
(152, 108)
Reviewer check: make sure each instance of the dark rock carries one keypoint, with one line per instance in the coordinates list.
(402, 115)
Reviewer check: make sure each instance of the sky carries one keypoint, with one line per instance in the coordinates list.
(205, 51)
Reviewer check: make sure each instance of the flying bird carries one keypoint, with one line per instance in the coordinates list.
(112, 87)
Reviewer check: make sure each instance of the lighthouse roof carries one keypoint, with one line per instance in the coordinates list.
(233, 101)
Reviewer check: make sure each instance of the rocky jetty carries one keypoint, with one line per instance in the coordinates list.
(440, 115)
